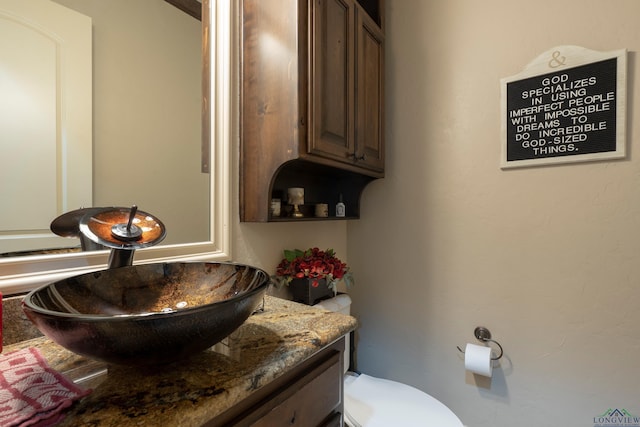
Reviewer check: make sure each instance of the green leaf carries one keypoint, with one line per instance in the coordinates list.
(280, 281)
(348, 279)
(290, 255)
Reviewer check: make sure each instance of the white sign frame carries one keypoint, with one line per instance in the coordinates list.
(555, 61)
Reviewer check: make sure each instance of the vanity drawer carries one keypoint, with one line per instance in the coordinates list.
(310, 394)
(314, 399)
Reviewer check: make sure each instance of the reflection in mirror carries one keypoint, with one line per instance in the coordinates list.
(146, 134)
(125, 171)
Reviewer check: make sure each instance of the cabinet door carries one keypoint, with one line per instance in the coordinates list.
(331, 131)
(369, 84)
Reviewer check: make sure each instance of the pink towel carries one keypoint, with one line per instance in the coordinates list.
(31, 393)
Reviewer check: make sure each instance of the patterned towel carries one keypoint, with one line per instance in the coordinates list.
(31, 393)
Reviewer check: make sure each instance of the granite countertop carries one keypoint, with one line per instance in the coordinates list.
(193, 391)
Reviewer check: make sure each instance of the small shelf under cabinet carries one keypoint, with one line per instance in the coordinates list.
(322, 184)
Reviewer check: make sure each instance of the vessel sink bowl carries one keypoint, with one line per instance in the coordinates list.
(147, 314)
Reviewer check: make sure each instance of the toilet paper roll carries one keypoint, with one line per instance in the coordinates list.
(477, 359)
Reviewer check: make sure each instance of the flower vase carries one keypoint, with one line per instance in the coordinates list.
(304, 291)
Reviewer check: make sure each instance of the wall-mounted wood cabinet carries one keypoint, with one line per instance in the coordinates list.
(312, 107)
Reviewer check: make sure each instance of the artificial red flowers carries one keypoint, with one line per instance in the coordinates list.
(314, 264)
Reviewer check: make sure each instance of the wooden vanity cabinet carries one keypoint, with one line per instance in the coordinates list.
(312, 107)
(309, 395)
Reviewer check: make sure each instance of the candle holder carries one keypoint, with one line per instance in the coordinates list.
(296, 198)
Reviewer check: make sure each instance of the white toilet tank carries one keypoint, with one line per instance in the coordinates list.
(376, 402)
(339, 304)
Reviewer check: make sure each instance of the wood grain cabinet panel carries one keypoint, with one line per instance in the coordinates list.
(312, 107)
(309, 395)
(315, 399)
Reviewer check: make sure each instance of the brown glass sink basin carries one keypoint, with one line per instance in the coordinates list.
(147, 314)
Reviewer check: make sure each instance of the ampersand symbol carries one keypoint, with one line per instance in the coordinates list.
(556, 60)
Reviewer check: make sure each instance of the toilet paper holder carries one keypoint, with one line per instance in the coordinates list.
(483, 334)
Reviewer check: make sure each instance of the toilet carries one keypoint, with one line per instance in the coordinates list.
(377, 402)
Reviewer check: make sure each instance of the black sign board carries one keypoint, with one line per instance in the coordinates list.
(575, 113)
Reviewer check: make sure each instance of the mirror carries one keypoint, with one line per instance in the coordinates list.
(143, 92)
(120, 179)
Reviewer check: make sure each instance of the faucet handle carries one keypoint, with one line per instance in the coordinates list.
(128, 231)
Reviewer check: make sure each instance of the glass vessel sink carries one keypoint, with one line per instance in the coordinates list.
(147, 314)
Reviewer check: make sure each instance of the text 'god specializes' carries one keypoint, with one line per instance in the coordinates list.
(571, 112)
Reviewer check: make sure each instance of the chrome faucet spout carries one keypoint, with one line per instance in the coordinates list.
(120, 258)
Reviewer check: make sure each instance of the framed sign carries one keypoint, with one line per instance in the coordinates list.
(568, 105)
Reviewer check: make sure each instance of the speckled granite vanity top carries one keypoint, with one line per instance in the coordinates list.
(191, 392)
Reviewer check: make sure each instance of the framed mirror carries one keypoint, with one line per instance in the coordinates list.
(21, 273)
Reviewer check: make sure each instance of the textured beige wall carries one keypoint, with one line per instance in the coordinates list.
(546, 258)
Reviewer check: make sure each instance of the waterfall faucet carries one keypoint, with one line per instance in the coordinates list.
(122, 229)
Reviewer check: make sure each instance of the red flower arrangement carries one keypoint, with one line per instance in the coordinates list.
(314, 264)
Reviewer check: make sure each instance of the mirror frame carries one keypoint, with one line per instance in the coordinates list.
(21, 274)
